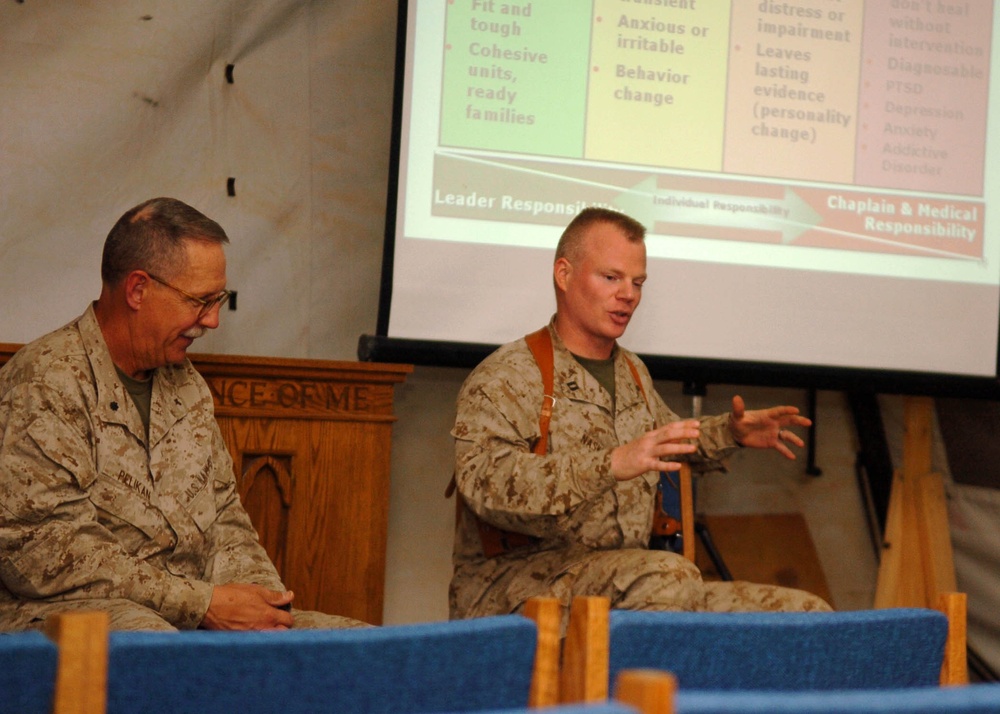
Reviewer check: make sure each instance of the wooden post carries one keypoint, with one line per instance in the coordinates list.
(547, 614)
(687, 512)
(584, 676)
(955, 668)
(917, 562)
(938, 559)
(82, 676)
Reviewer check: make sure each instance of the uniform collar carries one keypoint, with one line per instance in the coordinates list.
(573, 381)
(114, 405)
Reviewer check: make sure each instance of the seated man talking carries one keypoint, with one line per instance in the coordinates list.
(576, 519)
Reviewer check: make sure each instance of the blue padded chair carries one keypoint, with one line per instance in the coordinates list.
(868, 649)
(462, 666)
(871, 649)
(971, 699)
(28, 663)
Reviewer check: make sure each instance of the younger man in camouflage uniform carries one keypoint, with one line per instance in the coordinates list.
(587, 505)
(117, 492)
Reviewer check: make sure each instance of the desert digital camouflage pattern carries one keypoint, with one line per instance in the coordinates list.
(592, 530)
(92, 515)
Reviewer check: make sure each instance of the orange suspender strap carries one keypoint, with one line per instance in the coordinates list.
(638, 383)
(540, 344)
(497, 541)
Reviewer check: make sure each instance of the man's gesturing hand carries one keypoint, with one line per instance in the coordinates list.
(766, 428)
(651, 451)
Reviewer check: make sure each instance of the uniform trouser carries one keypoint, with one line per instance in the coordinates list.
(639, 579)
(127, 615)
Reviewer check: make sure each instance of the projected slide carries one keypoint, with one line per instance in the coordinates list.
(838, 148)
(879, 103)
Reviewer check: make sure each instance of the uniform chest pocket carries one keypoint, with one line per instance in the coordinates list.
(201, 507)
(185, 483)
(126, 509)
(577, 425)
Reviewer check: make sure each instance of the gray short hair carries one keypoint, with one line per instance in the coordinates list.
(150, 237)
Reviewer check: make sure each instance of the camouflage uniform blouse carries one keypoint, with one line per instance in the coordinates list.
(567, 499)
(88, 509)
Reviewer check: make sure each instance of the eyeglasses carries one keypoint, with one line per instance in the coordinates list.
(205, 305)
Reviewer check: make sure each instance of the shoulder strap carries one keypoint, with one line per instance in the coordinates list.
(638, 382)
(540, 344)
(496, 541)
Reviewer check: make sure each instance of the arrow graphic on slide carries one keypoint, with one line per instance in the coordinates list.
(690, 203)
(790, 215)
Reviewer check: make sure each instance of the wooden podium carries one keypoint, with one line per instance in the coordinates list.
(310, 442)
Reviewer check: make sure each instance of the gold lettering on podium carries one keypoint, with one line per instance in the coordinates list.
(286, 395)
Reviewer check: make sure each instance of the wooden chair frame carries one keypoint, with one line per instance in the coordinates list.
(82, 674)
(586, 652)
(547, 614)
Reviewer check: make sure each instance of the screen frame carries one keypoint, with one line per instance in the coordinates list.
(694, 372)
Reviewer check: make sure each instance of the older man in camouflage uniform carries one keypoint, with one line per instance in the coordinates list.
(587, 505)
(116, 489)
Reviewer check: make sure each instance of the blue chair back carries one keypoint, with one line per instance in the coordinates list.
(970, 699)
(28, 664)
(870, 649)
(461, 666)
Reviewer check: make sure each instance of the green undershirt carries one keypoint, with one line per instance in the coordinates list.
(603, 370)
(141, 392)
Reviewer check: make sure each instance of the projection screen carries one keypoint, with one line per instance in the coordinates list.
(817, 177)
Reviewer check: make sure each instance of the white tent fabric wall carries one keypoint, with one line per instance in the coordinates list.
(103, 105)
(974, 513)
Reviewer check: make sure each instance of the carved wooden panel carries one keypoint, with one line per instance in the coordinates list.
(265, 486)
(311, 444)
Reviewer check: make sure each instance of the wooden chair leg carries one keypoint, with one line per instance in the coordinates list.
(82, 676)
(687, 513)
(584, 676)
(955, 668)
(547, 614)
(649, 691)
